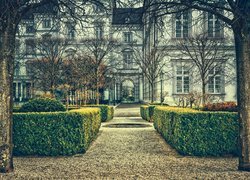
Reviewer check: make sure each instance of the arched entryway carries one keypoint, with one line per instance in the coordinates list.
(127, 91)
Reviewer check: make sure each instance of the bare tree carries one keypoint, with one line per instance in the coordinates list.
(11, 12)
(98, 49)
(46, 69)
(207, 55)
(235, 14)
(152, 64)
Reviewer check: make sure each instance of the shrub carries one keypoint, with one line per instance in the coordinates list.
(147, 112)
(55, 133)
(42, 105)
(198, 133)
(223, 106)
(107, 112)
(144, 112)
(16, 109)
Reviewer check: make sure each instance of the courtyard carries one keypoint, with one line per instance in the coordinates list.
(132, 149)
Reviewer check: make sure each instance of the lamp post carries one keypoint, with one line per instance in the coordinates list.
(161, 78)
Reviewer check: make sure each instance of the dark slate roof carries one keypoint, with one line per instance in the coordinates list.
(127, 16)
(46, 9)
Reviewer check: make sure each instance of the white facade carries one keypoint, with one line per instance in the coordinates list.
(136, 33)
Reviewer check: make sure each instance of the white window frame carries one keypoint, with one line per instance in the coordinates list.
(29, 46)
(99, 31)
(71, 32)
(215, 81)
(128, 37)
(46, 23)
(182, 24)
(128, 59)
(182, 74)
(214, 26)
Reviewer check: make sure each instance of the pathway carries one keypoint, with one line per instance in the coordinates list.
(127, 153)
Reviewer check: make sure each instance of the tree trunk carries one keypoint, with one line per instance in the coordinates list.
(97, 96)
(242, 45)
(7, 55)
(152, 92)
(203, 93)
(97, 86)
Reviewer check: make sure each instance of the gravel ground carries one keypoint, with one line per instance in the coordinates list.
(126, 153)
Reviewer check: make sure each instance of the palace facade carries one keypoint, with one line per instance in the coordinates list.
(167, 42)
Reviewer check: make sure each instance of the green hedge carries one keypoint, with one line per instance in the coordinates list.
(198, 133)
(107, 112)
(42, 105)
(57, 133)
(147, 112)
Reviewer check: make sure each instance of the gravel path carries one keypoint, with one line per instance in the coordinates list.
(126, 153)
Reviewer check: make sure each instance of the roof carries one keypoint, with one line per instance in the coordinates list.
(45, 9)
(127, 16)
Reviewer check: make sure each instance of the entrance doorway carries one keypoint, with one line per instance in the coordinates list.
(128, 91)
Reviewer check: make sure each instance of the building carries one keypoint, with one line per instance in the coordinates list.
(143, 37)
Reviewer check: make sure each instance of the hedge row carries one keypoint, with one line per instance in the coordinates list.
(42, 105)
(55, 133)
(198, 133)
(107, 112)
(147, 112)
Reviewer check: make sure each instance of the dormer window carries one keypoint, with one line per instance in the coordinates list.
(46, 23)
(127, 20)
(127, 37)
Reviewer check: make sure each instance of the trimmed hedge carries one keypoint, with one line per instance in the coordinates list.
(107, 112)
(42, 105)
(144, 111)
(147, 112)
(198, 133)
(55, 133)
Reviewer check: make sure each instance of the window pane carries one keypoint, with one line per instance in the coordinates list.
(179, 84)
(186, 88)
(217, 28)
(211, 84)
(217, 84)
(186, 84)
(178, 28)
(185, 70)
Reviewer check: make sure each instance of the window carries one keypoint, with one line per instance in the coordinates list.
(30, 28)
(71, 31)
(128, 59)
(127, 20)
(214, 27)
(29, 43)
(46, 23)
(215, 80)
(182, 24)
(17, 69)
(99, 31)
(127, 37)
(182, 79)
